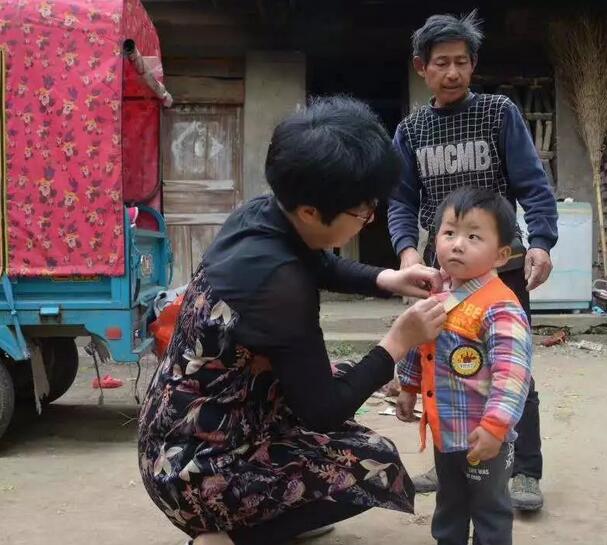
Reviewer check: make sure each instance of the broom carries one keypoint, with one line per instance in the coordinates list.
(580, 57)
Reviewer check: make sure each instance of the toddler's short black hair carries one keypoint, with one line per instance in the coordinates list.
(466, 198)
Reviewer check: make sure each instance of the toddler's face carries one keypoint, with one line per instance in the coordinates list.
(468, 247)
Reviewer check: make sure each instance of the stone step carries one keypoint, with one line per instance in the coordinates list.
(369, 319)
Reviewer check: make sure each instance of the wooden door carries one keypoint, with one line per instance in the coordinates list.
(201, 178)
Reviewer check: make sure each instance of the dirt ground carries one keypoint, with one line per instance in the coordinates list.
(71, 477)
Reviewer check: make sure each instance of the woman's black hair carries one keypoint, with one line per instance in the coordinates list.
(333, 155)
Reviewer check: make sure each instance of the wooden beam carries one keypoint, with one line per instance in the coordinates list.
(198, 185)
(196, 219)
(229, 68)
(203, 90)
(263, 14)
(198, 202)
(192, 13)
(192, 40)
(539, 116)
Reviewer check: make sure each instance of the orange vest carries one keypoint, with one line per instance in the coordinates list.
(465, 319)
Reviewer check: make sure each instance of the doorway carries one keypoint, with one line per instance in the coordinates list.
(382, 85)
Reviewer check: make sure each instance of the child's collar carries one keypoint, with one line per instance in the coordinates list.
(452, 298)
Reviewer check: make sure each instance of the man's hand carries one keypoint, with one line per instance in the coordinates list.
(405, 404)
(415, 281)
(537, 267)
(483, 445)
(409, 257)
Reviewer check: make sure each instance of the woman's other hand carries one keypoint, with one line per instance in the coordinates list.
(414, 281)
(419, 324)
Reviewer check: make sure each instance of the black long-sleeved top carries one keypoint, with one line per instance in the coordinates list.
(244, 418)
(260, 266)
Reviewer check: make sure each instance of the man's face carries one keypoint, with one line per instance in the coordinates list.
(448, 72)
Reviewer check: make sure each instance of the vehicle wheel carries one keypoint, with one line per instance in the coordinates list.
(21, 373)
(7, 398)
(60, 357)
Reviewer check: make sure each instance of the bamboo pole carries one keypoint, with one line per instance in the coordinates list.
(599, 199)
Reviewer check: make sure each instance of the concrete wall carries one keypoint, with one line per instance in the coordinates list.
(418, 92)
(572, 164)
(275, 85)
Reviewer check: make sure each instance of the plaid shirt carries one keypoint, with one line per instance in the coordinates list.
(494, 397)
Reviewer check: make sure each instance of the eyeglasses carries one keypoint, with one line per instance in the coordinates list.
(366, 218)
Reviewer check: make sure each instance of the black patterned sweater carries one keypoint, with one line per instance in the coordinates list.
(482, 141)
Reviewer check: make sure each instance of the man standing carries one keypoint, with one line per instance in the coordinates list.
(462, 138)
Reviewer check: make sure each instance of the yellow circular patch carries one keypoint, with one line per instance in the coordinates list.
(466, 361)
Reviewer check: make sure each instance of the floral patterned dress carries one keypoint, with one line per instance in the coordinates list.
(220, 449)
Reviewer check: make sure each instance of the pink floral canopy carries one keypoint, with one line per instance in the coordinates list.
(81, 133)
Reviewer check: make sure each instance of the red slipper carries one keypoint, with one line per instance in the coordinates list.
(107, 382)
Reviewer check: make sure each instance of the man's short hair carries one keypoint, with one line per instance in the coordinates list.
(465, 199)
(448, 28)
(333, 155)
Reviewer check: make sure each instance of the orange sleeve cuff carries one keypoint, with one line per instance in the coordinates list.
(410, 389)
(494, 427)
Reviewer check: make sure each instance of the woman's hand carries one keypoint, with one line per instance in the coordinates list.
(419, 324)
(414, 281)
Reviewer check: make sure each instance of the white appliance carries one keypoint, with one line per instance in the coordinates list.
(570, 284)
